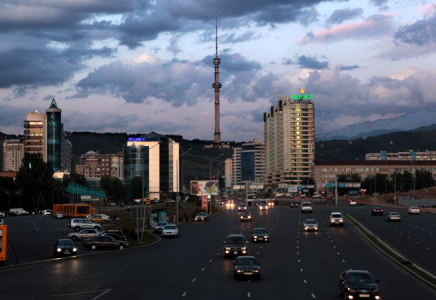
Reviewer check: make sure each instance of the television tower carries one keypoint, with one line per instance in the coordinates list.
(217, 85)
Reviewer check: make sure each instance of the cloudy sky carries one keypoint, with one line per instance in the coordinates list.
(138, 66)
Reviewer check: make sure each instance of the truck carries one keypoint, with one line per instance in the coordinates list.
(18, 212)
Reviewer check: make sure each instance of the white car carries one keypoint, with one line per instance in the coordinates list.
(170, 230)
(2, 222)
(46, 212)
(394, 216)
(352, 202)
(263, 206)
(414, 210)
(336, 218)
(306, 207)
(59, 215)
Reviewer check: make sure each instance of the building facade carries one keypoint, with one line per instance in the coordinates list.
(155, 159)
(236, 166)
(290, 140)
(54, 136)
(407, 155)
(228, 173)
(89, 165)
(13, 153)
(35, 134)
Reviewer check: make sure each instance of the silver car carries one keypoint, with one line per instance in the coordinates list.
(310, 224)
(336, 218)
(394, 216)
(83, 234)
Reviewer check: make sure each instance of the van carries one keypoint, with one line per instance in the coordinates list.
(79, 224)
(18, 212)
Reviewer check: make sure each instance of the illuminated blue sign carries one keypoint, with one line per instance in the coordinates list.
(137, 139)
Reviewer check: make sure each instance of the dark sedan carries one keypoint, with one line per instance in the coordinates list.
(358, 284)
(105, 242)
(202, 216)
(246, 266)
(245, 216)
(260, 235)
(377, 211)
(114, 235)
(64, 247)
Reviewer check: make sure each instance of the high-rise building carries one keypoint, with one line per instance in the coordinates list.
(35, 134)
(290, 139)
(54, 136)
(13, 153)
(249, 162)
(228, 173)
(67, 152)
(236, 166)
(154, 158)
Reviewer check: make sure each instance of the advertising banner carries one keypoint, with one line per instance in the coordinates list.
(204, 205)
(204, 187)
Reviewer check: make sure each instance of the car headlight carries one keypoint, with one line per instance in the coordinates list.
(332, 221)
(249, 217)
(377, 297)
(244, 248)
(238, 271)
(305, 228)
(228, 248)
(58, 249)
(255, 237)
(341, 220)
(74, 249)
(265, 237)
(256, 271)
(351, 290)
(241, 217)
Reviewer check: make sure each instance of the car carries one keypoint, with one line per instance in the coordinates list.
(336, 218)
(98, 218)
(170, 230)
(271, 203)
(293, 204)
(2, 222)
(310, 225)
(114, 235)
(46, 212)
(79, 224)
(414, 210)
(83, 234)
(306, 207)
(230, 204)
(104, 242)
(352, 202)
(58, 215)
(394, 216)
(160, 226)
(246, 266)
(360, 202)
(245, 216)
(2, 214)
(358, 284)
(242, 207)
(119, 232)
(263, 206)
(260, 235)
(377, 211)
(234, 245)
(202, 216)
(64, 247)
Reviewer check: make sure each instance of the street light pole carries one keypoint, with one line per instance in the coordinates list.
(177, 189)
(210, 179)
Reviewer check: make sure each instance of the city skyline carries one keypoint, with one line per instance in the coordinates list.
(143, 66)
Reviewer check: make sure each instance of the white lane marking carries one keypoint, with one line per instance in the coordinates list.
(257, 253)
(305, 281)
(210, 261)
(260, 247)
(301, 270)
(338, 253)
(408, 237)
(343, 260)
(298, 253)
(313, 296)
(218, 253)
(34, 225)
(248, 294)
(428, 248)
(193, 280)
(203, 269)
(298, 247)
(299, 261)
(331, 241)
(84, 293)
(105, 292)
(184, 294)
(334, 247)
(417, 243)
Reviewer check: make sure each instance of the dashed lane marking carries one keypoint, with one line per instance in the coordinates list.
(343, 260)
(305, 281)
(193, 280)
(248, 295)
(203, 269)
(313, 296)
(184, 294)
(301, 270)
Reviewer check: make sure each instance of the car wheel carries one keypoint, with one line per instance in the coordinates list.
(93, 247)
(77, 228)
(121, 247)
(74, 238)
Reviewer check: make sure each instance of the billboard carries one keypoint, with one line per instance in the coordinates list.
(204, 187)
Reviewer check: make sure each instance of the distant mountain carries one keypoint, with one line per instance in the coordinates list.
(402, 123)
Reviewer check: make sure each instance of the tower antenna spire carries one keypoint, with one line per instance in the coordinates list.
(216, 86)
(216, 38)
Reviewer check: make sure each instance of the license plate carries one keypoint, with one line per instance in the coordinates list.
(235, 252)
(260, 239)
(67, 252)
(248, 273)
(364, 295)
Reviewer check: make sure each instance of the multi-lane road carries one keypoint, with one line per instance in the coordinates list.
(295, 264)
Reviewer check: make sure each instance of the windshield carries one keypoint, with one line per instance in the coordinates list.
(259, 230)
(360, 278)
(310, 221)
(394, 213)
(336, 216)
(65, 242)
(246, 261)
(235, 240)
(170, 227)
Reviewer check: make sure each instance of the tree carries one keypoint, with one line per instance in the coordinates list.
(8, 192)
(136, 187)
(76, 178)
(113, 187)
(424, 179)
(35, 178)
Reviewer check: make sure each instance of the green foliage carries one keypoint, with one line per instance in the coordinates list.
(136, 187)
(113, 187)
(75, 178)
(35, 182)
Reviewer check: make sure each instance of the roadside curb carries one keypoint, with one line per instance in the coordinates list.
(106, 252)
(416, 270)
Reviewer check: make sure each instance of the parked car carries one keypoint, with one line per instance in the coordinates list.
(64, 247)
(160, 226)
(170, 230)
(377, 211)
(2, 214)
(336, 218)
(2, 222)
(246, 266)
(58, 215)
(79, 224)
(235, 244)
(358, 284)
(104, 242)
(83, 234)
(310, 224)
(245, 216)
(394, 216)
(202, 216)
(18, 212)
(414, 210)
(260, 234)
(98, 218)
(306, 207)
(114, 235)
(352, 202)
(360, 202)
(46, 212)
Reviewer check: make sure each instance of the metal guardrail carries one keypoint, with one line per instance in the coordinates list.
(401, 260)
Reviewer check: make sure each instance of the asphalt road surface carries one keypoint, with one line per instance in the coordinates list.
(295, 265)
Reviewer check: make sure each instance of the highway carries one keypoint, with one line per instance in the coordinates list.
(414, 237)
(295, 265)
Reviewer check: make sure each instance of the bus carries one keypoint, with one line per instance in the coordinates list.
(73, 210)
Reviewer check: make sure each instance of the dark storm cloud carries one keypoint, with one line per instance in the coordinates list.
(232, 63)
(42, 67)
(311, 63)
(422, 32)
(379, 2)
(287, 61)
(341, 15)
(347, 68)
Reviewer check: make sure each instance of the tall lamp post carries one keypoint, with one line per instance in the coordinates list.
(210, 179)
(177, 190)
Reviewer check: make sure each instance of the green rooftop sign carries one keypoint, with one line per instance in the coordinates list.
(302, 97)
